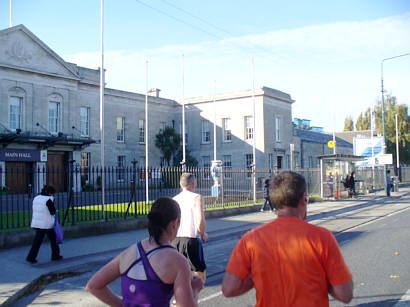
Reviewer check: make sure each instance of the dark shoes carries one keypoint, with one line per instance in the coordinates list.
(32, 261)
(57, 258)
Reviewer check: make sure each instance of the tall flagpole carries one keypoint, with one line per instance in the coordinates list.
(254, 134)
(102, 73)
(146, 132)
(183, 116)
(214, 121)
(11, 15)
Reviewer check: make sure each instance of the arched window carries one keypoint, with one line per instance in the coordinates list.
(16, 111)
(54, 113)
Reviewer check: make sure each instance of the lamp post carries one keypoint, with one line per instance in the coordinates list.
(383, 121)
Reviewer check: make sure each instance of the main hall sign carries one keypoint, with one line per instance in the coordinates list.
(23, 155)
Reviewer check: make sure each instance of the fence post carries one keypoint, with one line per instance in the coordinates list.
(70, 192)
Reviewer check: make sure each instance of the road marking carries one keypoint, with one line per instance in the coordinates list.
(404, 300)
(207, 298)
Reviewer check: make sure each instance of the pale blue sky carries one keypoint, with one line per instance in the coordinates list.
(325, 54)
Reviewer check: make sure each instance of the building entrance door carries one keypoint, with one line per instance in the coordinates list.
(57, 170)
(18, 176)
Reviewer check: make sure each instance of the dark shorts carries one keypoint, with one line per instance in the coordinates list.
(192, 249)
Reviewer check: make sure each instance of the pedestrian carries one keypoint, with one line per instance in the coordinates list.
(151, 270)
(388, 182)
(43, 223)
(352, 187)
(266, 196)
(191, 233)
(288, 261)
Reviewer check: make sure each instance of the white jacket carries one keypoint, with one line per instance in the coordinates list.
(41, 215)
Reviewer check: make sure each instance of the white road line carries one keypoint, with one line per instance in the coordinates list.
(207, 298)
(404, 300)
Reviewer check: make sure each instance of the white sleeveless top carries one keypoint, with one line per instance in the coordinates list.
(41, 215)
(188, 227)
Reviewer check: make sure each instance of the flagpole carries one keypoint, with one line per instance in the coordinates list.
(10, 17)
(254, 134)
(214, 121)
(146, 132)
(102, 73)
(183, 116)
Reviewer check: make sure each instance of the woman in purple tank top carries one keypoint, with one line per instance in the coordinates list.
(151, 271)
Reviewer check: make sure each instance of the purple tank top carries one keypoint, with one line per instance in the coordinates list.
(145, 293)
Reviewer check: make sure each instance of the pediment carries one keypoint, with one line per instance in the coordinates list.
(21, 49)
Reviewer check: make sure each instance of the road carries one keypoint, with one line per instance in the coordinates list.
(373, 237)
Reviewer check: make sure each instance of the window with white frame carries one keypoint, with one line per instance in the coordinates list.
(15, 112)
(249, 164)
(141, 131)
(248, 127)
(120, 168)
(227, 165)
(53, 116)
(277, 129)
(85, 121)
(206, 133)
(85, 166)
(120, 129)
(226, 128)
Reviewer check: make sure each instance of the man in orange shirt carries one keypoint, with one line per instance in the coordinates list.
(288, 261)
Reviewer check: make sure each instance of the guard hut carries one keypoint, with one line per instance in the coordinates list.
(333, 170)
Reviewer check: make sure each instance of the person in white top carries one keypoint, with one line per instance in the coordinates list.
(191, 232)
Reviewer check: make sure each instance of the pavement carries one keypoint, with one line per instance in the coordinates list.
(19, 278)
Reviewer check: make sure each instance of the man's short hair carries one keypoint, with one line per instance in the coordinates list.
(286, 189)
(186, 180)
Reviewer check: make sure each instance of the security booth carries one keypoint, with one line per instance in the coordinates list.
(333, 170)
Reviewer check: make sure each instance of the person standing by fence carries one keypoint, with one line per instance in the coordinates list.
(43, 222)
(266, 195)
(191, 232)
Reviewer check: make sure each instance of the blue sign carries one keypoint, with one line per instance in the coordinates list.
(21, 155)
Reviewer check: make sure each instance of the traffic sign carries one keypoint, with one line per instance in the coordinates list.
(331, 144)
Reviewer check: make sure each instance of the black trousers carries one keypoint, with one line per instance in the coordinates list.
(38, 239)
(267, 201)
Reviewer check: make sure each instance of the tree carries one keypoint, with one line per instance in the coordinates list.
(348, 124)
(363, 121)
(391, 108)
(168, 141)
(190, 161)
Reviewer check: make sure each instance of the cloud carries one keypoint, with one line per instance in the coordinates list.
(330, 68)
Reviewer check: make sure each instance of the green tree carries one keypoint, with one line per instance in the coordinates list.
(348, 124)
(363, 121)
(391, 108)
(168, 141)
(190, 161)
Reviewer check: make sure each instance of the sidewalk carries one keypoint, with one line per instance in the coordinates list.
(18, 276)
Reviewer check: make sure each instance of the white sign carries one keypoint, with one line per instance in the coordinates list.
(43, 155)
(384, 159)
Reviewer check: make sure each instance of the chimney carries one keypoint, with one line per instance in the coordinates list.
(154, 92)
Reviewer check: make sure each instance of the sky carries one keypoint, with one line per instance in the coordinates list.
(326, 54)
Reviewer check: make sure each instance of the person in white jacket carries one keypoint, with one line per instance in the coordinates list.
(43, 222)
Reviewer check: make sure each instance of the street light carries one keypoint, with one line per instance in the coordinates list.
(383, 122)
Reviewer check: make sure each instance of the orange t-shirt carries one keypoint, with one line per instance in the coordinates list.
(292, 263)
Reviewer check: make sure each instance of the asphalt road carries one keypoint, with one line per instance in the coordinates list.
(373, 237)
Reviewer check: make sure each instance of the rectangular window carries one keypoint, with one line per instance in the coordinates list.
(226, 127)
(277, 129)
(120, 168)
(120, 129)
(249, 164)
(85, 121)
(248, 127)
(16, 113)
(53, 116)
(206, 134)
(141, 131)
(85, 167)
(227, 166)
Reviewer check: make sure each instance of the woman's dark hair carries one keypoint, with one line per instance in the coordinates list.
(48, 190)
(163, 211)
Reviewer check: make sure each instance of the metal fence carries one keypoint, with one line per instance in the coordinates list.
(79, 194)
